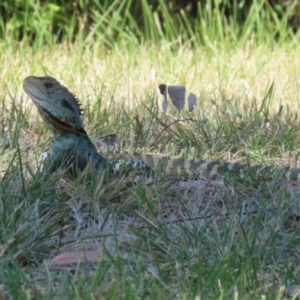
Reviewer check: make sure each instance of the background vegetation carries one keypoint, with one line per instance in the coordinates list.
(231, 237)
(197, 22)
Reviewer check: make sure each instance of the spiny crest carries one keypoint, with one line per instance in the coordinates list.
(78, 104)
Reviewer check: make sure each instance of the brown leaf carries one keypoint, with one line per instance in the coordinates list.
(75, 257)
(109, 140)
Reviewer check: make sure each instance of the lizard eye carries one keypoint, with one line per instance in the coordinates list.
(48, 85)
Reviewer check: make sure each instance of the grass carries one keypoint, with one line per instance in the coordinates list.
(204, 238)
(230, 237)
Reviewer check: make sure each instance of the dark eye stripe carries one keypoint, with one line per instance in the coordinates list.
(67, 105)
(48, 85)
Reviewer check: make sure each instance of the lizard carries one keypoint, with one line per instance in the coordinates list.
(74, 151)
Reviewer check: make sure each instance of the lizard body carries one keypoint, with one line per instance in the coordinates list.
(73, 150)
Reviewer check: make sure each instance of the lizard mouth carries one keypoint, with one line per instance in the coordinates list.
(62, 126)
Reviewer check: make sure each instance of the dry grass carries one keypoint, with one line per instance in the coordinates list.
(131, 73)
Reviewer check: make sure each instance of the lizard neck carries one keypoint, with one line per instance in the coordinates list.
(65, 141)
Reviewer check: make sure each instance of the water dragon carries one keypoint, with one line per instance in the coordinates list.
(74, 151)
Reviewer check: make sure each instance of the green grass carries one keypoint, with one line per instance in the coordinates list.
(227, 238)
(230, 22)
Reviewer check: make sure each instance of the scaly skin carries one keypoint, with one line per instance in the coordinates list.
(72, 150)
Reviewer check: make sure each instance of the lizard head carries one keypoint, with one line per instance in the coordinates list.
(56, 104)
